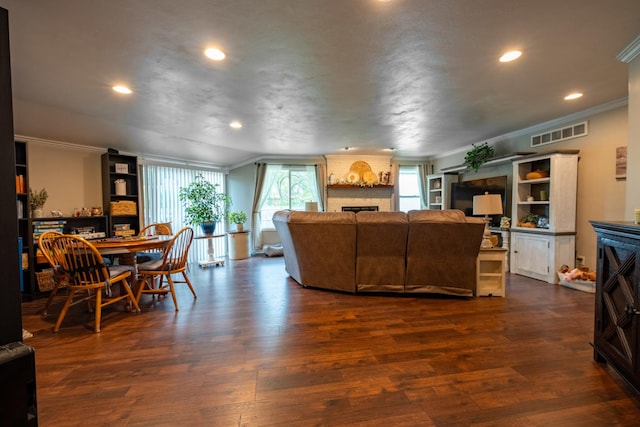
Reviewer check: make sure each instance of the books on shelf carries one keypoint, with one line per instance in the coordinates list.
(93, 235)
(124, 233)
(48, 223)
(43, 226)
(20, 184)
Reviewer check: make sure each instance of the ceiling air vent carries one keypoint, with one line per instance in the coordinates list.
(569, 132)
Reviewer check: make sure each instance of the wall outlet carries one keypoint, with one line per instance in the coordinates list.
(580, 261)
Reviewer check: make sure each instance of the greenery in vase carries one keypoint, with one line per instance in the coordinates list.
(478, 156)
(238, 217)
(203, 202)
(37, 199)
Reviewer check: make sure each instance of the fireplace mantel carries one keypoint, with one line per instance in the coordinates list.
(355, 186)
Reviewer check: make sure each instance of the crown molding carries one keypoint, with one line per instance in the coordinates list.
(630, 52)
(59, 144)
(551, 124)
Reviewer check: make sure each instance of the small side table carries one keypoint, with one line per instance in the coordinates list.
(490, 272)
(211, 259)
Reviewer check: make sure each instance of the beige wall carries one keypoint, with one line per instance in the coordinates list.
(600, 195)
(71, 176)
(633, 153)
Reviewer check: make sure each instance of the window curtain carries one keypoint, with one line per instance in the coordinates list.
(395, 179)
(160, 187)
(321, 180)
(259, 197)
(423, 170)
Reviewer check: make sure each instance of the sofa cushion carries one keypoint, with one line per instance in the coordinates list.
(441, 254)
(381, 251)
(447, 215)
(319, 248)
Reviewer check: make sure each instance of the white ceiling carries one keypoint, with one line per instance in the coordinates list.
(308, 76)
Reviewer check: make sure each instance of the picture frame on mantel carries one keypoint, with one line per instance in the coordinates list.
(621, 163)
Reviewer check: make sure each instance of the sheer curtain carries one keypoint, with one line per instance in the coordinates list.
(160, 187)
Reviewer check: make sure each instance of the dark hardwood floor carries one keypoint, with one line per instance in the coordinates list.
(256, 349)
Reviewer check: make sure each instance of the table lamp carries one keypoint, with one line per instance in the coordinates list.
(487, 204)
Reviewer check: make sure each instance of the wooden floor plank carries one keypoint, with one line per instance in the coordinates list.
(256, 349)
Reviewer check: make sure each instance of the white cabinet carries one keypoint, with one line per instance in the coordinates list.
(544, 213)
(439, 190)
(540, 256)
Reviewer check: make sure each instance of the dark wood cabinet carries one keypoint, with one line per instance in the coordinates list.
(17, 361)
(120, 193)
(616, 336)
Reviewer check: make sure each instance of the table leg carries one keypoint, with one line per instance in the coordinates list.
(210, 250)
(211, 259)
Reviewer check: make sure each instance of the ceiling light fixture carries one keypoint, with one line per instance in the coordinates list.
(215, 54)
(236, 124)
(572, 96)
(389, 149)
(510, 56)
(122, 89)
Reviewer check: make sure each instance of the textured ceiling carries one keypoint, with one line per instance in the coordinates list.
(308, 76)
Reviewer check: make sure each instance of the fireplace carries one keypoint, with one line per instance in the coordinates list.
(357, 209)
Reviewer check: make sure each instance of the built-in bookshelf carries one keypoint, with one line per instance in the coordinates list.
(22, 206)
(120, 193)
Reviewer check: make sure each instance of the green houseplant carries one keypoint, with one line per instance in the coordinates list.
(238, 218)
(204, 204)
(478, 156)
(37, 199)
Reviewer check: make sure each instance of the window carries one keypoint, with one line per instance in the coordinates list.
(287, 187)
(408, 188)
(160, 187)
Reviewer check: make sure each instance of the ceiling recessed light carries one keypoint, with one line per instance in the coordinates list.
(510, 56)
(122, 89)
(574, 95)
(235, 124)
(215, 54)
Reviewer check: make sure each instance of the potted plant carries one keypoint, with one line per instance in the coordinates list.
(478, 155)
(205, 206)
(37, 199)
(238, 218)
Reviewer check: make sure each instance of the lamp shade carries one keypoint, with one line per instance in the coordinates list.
(487, 204)
(311, 206)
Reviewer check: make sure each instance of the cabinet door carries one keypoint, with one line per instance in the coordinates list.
(530, 255)
(616, 324)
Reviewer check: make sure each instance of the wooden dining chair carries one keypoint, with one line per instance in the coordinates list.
(45, 242)
(156, 229)
(89, 278)
(174, 261)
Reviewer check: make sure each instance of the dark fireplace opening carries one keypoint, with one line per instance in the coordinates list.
(357, 209)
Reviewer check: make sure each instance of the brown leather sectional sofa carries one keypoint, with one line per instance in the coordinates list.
(424, 251)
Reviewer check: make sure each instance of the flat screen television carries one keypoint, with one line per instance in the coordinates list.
(462, 195)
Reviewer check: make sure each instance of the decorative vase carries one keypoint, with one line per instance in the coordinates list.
(208, 228)
(37, 213)
(239, 227)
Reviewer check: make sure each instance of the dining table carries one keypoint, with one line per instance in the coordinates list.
(125, 248)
